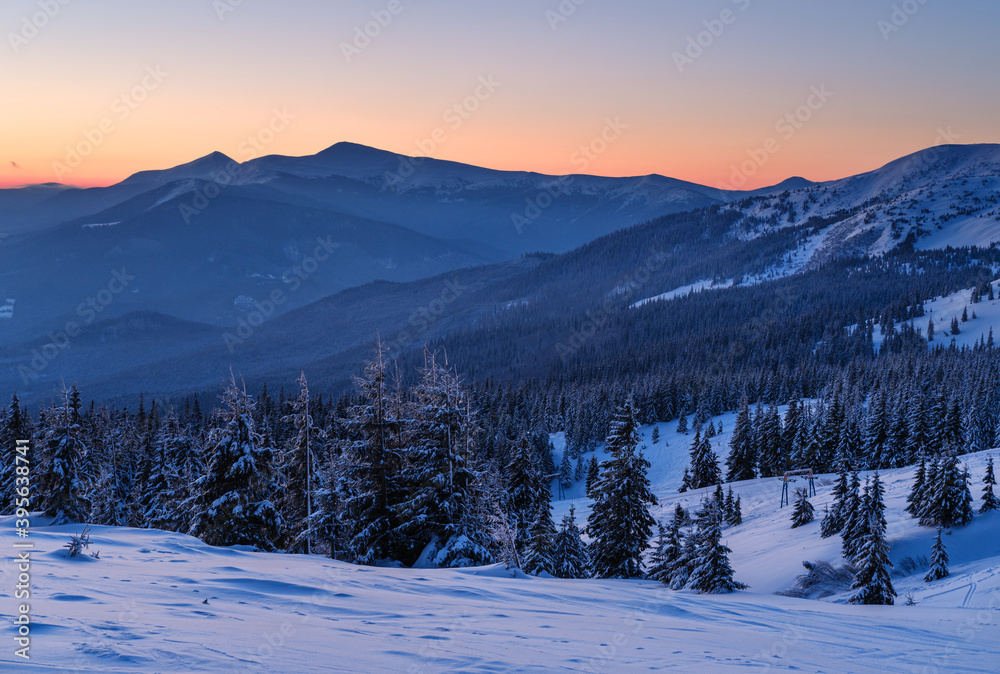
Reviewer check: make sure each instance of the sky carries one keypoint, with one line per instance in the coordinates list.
(729, 93)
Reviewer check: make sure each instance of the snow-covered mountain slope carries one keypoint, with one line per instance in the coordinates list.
(983, 318)
(944, 196)
(165, 602)
(768, 554)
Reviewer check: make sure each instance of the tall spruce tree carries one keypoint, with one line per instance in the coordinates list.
(949, 500)
(298, 469)
(231, 505)
(620, 523)
(939, 560)
(524, 482)
(327, 523)
(659, 563)
(539, 556)
(803, 512)
(990, 501)
(711, 571)
(62, 489)
(16, 426)
(373, 466)
(872, 582)
(742, 459)
(593, 473)
(853, 515)
(443, 512)
(569, 553)
(704, 464)
(915, 500)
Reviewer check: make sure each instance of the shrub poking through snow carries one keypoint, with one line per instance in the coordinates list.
(78, 542)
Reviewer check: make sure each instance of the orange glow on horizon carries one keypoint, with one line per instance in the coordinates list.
(720, 169)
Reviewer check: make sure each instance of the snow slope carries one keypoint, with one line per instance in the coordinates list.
(943, 309)
(165, 602)
(945, 196)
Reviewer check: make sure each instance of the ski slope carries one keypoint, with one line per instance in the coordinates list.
(164, 602)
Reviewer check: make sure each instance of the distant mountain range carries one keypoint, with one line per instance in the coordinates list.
(157, 270)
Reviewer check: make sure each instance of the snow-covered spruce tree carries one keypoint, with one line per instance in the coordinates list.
(593, 473)
(443, 511)
(523, 482)
(230, 504)
(620, 523)
(184, 453)
(373, 461)
(939, 560)
(569, 553)
(736, 516)
(719, 500)
(327, 522)
(990, 501)
(538, 556)
(829, 525)
(704, 464)
(298, 470)
(685, 482)
(655, 438)
(853, 514)
(872, 582)
(711, 572)
(682, 423)
(742, 459)
(949, 500)
(566, 472)
(803, 513)
(729, 505)
(161, 506)
(61, 488)
(770, 450)
(681, 515)
(915, 500)
(16, 426)
(680, 570)
(659, 566)
(109, 497)
(834, 518)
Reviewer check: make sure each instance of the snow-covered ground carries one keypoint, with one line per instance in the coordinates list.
(943, 309)
(165, 602)
(683, 291)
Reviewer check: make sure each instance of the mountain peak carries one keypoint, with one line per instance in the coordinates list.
(203, 167)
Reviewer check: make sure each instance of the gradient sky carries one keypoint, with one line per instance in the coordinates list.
(224, 74)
